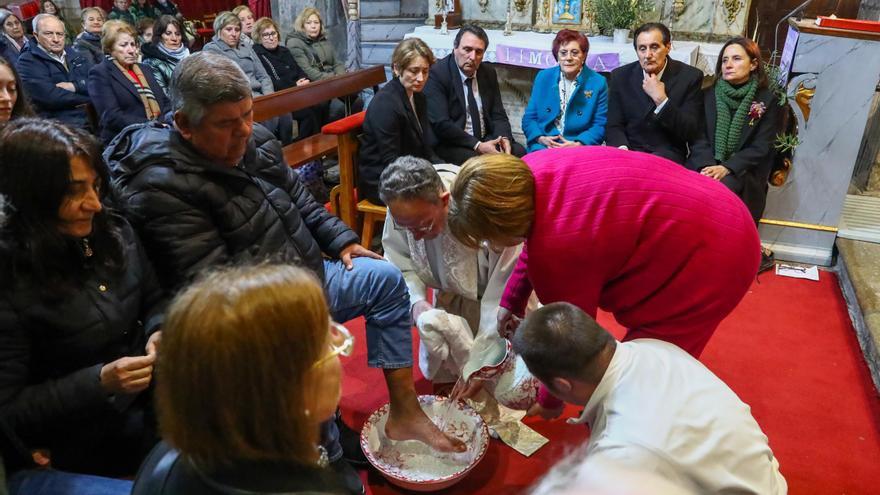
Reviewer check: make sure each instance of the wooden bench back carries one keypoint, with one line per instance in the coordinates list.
(299, 97)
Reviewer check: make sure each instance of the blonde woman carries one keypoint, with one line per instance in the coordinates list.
(249, 353)
(310, 47)
(397, 123)
(247, 18)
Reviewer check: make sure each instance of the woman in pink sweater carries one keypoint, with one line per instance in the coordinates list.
(667, 251)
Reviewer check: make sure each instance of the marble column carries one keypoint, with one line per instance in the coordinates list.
(333, 13)
(844, 72)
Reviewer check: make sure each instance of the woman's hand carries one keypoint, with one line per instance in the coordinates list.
(548, 414)
(550, 141)
(356, 251)
(565, 143)
(716, 172)
(507, 323)
(302, 81)
(153, 342)
(128, 375)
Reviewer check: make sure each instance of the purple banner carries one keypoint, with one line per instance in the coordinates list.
(541, 59)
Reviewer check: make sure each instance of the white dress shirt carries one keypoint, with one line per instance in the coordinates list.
(658, 409)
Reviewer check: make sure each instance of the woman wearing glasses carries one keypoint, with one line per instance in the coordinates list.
(569, 102)
(249, 372)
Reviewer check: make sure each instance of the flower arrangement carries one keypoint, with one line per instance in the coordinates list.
(756, 111)
(620, 14)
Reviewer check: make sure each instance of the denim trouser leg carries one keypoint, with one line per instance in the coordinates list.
(374, 289)
(52, 482)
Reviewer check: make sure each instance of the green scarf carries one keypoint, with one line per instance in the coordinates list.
(732, 108)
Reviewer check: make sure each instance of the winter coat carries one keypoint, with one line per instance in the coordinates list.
(122, 15)
(315, 57)
(89, 49)
(116, 99)
(39, 75)
(52, 352)
(280, 66)
(162, 64)
(193, 213)
(170, 8)
(246, 58)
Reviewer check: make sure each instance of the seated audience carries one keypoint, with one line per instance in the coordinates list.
(625, 232)
(13, 102)
(214, 190)
(166, 7)
(13, 39)
(80, 312)
(88, 43)
(655, 104)
(649, 405)
(464, 102)
(268, 390)
(123, 91)
(315, 54)
(397, 122)
(49, 7)
(54, 76)
(167, 47)
(141, 9)
(246, 16)
(120, 12)
(569, 102)
(742, 119)
(284, 71)
(145, 30)
(467, 282)
(227, 42)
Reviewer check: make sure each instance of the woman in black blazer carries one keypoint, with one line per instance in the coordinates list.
(742, 119)
(123, 91)
(397, 123)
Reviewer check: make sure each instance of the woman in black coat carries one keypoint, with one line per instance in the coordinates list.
(742, 119)
(397, 123)
(123, 91)
(80, 307)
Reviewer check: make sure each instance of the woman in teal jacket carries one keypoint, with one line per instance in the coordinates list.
(569, 102)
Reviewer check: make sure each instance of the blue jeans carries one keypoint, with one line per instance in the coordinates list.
(52, 482)
(374, 289)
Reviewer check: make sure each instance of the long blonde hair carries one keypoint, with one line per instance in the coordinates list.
(237, 353)
(299, 23)
(493, 199)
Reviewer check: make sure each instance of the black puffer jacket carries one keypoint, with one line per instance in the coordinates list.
(51, 354)
(193, 214)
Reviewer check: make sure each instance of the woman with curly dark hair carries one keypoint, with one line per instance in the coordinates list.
(80, 309)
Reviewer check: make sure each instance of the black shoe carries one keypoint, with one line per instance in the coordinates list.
(348, 478)
(351, 445)
(768, 261)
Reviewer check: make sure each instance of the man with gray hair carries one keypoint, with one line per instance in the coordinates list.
(467, 282)
(54, 76)
(215, 190)
(650, 406)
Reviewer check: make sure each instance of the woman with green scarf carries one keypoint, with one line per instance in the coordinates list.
(742, 119)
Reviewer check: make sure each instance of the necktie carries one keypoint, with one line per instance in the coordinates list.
(472, 109)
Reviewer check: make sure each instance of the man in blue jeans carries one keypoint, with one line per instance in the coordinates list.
(215, 190)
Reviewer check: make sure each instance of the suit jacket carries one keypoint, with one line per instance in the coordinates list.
(587, 109)
(447, 104)
(392, 130)
(116, 99)
(750, 164)
(631, 118)
(39, 75)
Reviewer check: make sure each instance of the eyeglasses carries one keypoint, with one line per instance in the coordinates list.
(345, 348)
(269, 34)
(573, 53)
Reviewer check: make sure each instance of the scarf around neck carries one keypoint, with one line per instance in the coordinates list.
(179, 54)
(91, 38)
(731, 108)
(151, 106)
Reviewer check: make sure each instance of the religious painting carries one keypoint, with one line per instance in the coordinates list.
(553, 15)
(567, 12)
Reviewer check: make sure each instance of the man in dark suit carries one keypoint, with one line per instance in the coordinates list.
(464, 102)
(655, 105)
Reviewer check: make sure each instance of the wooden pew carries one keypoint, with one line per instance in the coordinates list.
(337, 138)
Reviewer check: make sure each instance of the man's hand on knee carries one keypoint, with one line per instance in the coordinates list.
(355, 251)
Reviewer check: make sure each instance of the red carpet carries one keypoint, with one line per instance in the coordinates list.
(788, 350)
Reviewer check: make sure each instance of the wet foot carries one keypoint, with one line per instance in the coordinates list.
(415, 425)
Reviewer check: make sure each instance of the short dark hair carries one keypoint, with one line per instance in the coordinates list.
(474, 30)
(566, 36)
(162, 25)
(652, 26)
(560, 340)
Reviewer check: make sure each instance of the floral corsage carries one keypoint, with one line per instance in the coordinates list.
(756, 111)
